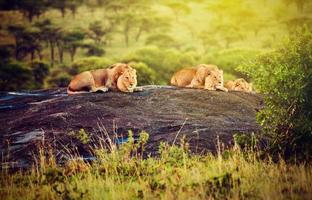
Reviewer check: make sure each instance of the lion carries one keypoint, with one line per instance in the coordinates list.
(183, 77)
(239, 85)
(118, 77)
(203, 76)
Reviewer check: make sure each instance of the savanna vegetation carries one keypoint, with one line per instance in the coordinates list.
(121, 172)
(44, 43)
(156, 36)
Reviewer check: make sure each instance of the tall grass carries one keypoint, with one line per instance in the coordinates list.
(121, 172)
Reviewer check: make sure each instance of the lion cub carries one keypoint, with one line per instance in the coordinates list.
(119, 77)
(203, 76)
(239, 85)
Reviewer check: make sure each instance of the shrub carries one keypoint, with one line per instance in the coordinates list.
(22, 76)
(228, 60)
(15, 76)
(285, 78)
(90, 63)
(40, 71)
(145, 75)
(59, 77)
(164, 62)
(161, 40)
(6, 52)
(94, 50)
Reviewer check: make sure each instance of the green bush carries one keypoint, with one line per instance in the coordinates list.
(22, 76)
(285, 78)
(145, 75)
(90, 63)
(228, 60)
(15, 76)
(59, 77)
(6, 52)
(164, 62)
(94, 50)
(161, 40)
(40, 71)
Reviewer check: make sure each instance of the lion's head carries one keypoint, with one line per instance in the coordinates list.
(127, 81)
(209, 76)
(118, 69)
(203, 71)
(214, 80)
(239, 85)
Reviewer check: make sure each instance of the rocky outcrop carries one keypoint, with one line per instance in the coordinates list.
(46, 118)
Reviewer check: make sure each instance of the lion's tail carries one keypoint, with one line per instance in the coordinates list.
(70, 91)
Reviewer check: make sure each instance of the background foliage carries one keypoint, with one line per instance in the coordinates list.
(163, 35)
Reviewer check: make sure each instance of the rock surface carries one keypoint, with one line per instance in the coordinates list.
(46, 117)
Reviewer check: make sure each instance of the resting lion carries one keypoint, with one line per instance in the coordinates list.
(239, 85)
(203, 76)
(120, 77)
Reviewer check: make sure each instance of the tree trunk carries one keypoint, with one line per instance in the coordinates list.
(126, 39)
(138, 35)
(60, 51)
(32, 56)
(16, 52)
(126, 36)
(63, 11)
(30, 16)
(52, 53)
(39, 55)
(300, 5)
(72, 53)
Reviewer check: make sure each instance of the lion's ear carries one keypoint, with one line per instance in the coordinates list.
(118, 74)
(111, 66)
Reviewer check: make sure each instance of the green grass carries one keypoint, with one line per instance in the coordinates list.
(122, 173)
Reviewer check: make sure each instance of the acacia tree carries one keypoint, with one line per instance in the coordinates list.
(233, 19)
(51, 34)
(128, 24)
(72, 41)
(125, 13)
(97, 32)
(150, 21)
(179, 8)
(73, 5)
(60, 45)
(29, 8)
(32, 43)
(27, 41)
(300, 4)
(17, 32)
(60, 5)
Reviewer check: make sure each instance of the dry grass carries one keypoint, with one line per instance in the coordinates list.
(122, 173)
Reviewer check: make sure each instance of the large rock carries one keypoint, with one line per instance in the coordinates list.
(46, 117)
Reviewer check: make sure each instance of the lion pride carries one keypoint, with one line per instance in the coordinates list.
(120, 77)
(203, 76)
